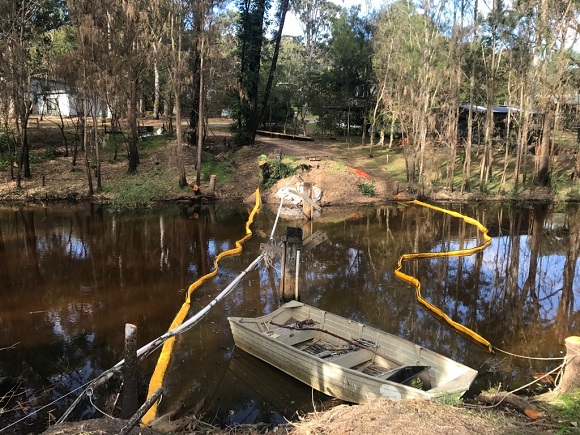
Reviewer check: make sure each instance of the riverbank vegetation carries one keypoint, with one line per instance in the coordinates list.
(474, 100)
(328, 162)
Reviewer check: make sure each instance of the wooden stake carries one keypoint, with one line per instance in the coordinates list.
(571, 377)
(306, 205)
(130, 373)
(212, 184)
(290, 282)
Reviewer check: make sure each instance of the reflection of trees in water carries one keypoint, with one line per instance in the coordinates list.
(567, 320)
(72, 278)
(503, 293)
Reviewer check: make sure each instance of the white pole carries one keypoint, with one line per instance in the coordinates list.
(296, 288)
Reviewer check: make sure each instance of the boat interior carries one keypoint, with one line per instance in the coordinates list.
(355, 354)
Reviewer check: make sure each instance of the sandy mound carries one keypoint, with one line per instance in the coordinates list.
(339, 185)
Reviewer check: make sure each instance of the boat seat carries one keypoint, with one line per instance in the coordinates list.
(291, 337)
(353, 359)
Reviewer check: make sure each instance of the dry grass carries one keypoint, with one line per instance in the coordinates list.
(54, 178)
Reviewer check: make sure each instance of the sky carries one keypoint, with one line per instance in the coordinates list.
(292, 26)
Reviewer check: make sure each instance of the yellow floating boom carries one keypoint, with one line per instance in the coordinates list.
(435, 311)
(163, 361)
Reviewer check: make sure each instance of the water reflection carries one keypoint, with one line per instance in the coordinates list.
(70, 277)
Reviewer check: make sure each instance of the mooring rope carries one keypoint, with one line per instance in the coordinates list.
(507, 393)
(559, 358)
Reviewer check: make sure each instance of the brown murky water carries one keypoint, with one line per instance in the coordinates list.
(71, 277)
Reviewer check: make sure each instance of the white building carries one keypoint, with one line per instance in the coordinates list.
(51, 97)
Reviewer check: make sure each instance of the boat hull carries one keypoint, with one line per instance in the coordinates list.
(358, 375)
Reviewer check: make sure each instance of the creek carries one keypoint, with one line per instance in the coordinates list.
(72, 276)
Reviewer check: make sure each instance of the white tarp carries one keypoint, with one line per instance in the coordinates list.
(291, 194)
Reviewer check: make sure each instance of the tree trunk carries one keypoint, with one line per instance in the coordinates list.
(24, 164)
(466, 179)
(86, 146)
(283, 9)
(200, 119)
(543, 154)
(576, 175)
(156, 91)
(132, 121)
(179, 133)
(251, 33)
(97, 147)
(571, 378)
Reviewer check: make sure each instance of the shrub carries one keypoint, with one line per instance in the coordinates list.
(51, 153)
(367, 188)
(137, 191)
(274, 170)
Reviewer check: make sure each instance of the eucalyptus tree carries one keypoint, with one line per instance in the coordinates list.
(290, 89)
(159, 23)
(408, 48)
(348, 76)
(493, 54)
(395, 56)
(431, 49)
(88, 72)
(456, 28)
(519, 25)
(390, 56)
(315, 18)
(250, 36)
(175, 14)
(554, 19)
(574, 86)
(281, 15)
(200, 17)
(128, 25)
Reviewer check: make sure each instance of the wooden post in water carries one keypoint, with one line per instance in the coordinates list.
(307, 205)
(130, 373)
(290, 279)
(571, 377)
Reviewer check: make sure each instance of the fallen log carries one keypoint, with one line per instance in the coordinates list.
(283, 135)
(516, 402)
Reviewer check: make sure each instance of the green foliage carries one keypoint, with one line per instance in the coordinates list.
(51, 153)
(221, 168)
(278, 111)
(5, 143)
(367, 188)
(567, 406)
(141, 190)
(153, 142)
(453, 399)
(250, 36)
(274, 170)
(35, 158)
